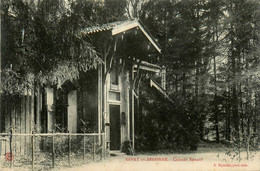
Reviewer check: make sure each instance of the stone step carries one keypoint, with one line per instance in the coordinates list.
(116, 153)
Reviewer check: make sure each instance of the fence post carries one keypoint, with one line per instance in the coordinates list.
(104, 145)
(53, 150)
(84, 147)
(94, 147)
(32, 150)
(11, 150)
(69, 152)
(101, 145)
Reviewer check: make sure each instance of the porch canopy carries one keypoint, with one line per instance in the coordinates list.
(137, 40)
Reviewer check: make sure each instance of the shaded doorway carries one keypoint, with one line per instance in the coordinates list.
(115, 135)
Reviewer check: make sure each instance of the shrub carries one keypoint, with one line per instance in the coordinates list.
(167, 125)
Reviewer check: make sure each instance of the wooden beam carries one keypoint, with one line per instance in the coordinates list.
(149, 37)
(99, 98)
(23, 130)
(133, 110)
(38, 108)
(27, 121)
(146, 68)
(130, 25)
(1, 111)
(32, 109)
(160, 89)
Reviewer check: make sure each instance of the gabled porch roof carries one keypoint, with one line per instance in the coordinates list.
(122, 26)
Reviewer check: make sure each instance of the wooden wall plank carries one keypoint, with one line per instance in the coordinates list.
(27, 112)
(44, 107)
(38, 108)
(14, 126)
(32, 111)
(23, 123)
(1, 113)
(19, 123)
(7, 114)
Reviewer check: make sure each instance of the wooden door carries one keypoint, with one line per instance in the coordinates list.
(115, 137)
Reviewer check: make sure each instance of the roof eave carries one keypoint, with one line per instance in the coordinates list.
(135, 23)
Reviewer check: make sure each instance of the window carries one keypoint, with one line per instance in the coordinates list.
(114, 76)
(114, 96)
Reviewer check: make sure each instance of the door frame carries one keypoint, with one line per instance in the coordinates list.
(117, 103)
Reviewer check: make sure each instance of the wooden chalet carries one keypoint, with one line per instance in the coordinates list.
(103, 99)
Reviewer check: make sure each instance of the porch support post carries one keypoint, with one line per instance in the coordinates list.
(163, 74)
(38, 108)
(104, 81)
(32, 108)
(133, 109)
(1, 110)
(50, 109)
(100, 98)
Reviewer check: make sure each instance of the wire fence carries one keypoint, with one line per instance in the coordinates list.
(50, 150)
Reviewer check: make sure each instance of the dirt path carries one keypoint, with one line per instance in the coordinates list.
(154, 162)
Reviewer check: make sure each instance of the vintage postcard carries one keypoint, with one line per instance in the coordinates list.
(129, 85)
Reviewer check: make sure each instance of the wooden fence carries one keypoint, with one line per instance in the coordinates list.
(50, 150)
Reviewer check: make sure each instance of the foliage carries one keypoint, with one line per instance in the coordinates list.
(248, 143)
(167, 125)
(210, 50)
(85, 126)
(43, 45)
(127, 148)
(62, 145)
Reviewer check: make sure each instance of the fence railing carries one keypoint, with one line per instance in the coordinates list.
(50, 150)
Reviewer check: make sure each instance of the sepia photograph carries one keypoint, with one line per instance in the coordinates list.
(122, 85)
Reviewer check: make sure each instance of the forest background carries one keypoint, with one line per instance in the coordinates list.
(209, 47)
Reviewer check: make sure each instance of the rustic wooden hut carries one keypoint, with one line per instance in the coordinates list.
(101, 100)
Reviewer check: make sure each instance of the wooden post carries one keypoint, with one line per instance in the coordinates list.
(101, 143)
(133, 110)
(32, 150)
(163, 79)
(16, 124)
(69, 152)
(23, 130)
(1, 111)
(11, 150)
(38, 107)
(53, 150)
(99, 98)
(7, 113)
(20, 123)
(32, 108)
(84, 147)
(12, 121)
(94, 147)
(54, 107)
(105, 100)
(27, 122)
(104, 145)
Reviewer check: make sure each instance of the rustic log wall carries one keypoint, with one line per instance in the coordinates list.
(88, 102)
(21, 115)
